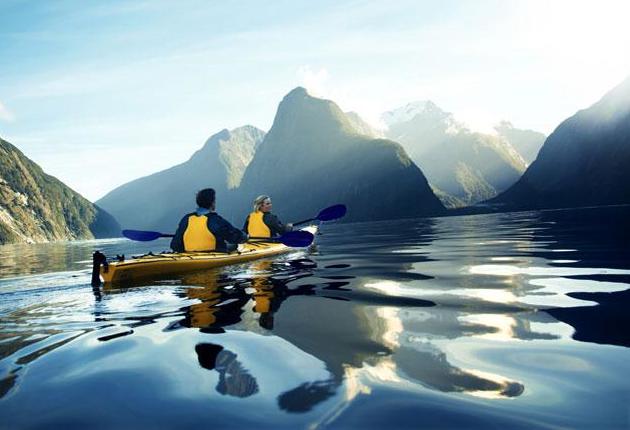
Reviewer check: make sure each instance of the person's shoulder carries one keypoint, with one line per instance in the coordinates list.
(185, 217)
(269, 215)
(217, 218)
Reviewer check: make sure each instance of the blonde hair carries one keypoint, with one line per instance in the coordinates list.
(258, 201)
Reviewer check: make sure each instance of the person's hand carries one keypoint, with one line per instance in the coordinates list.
(289, 227)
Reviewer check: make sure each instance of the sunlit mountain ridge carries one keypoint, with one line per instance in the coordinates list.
(463, 166)
(37, 207)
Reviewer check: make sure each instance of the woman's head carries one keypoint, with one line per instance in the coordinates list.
(262, 203)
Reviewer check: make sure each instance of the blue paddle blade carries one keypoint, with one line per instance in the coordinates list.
(297, 239)
(142, 236)
(332, 212)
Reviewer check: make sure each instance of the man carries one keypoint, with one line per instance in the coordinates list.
(204, 229)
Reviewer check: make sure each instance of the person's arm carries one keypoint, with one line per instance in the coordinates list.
(228, 232)
(177, 243)
(275, 225)
(246, 224)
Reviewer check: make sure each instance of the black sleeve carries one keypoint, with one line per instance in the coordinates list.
(246, 224)
(274, 224)
(177, 243)
(228, 232)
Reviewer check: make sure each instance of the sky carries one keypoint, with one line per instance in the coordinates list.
(99, 93)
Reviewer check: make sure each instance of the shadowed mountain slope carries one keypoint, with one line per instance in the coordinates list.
(315, 156)
(157, 201)
(584, 162)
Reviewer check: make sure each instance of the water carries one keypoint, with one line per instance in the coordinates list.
(507, 320)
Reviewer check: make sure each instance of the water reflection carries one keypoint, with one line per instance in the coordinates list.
(234, 379)
(512, 265)
(24, 347)
(600, 237)
(366, 327)
(270, 291)
(468, 311)
(417, 357)
(219, 304)
(18, 260)
(222, 299)
(428, 365)
(349, 322)
(593, 244)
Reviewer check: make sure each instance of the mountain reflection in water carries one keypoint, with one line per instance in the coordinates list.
(449, 316)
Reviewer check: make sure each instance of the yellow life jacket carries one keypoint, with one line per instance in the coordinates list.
(263, 303)
(197, 236)
(203, 315)
(256, 227)
(263, 296)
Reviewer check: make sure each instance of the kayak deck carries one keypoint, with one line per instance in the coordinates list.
(154, 265)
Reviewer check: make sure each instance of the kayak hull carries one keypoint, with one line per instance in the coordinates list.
(149, 266)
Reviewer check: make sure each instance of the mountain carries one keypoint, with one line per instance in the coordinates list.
(420, 127)
(584, 162)
(466, 167)
(362, 127)
(314, 157)
(36, 207)
(526, 142)
(158, 201)
(472, 167)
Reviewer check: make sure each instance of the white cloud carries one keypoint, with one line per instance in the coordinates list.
(6, 114)
(313, 80)
(478, 120)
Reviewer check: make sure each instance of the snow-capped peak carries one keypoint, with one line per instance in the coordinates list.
(411, 110)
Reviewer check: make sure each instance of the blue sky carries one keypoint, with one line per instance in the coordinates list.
(100, 93)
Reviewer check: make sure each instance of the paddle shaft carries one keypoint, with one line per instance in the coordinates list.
(292, 238)
(269, 239)
(144, 236)
(328, 214)
(305, 221)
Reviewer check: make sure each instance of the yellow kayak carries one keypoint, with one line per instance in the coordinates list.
(155, 265)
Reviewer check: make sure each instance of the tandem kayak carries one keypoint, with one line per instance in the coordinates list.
(155, 265)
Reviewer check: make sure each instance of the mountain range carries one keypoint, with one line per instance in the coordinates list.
(315, 156)
(462, 166)
(37, 207)
(157, 201)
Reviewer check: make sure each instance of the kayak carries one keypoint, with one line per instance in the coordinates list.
(171, 263)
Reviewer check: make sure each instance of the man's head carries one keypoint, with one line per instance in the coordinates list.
(205, 198)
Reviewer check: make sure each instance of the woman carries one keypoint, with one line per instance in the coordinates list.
(262, 223)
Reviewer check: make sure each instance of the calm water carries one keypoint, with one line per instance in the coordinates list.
(507, 321)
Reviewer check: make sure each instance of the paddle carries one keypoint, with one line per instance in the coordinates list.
(144, 236)
(294, 239)
(328, 214)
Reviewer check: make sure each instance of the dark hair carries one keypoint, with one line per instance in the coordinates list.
(205, 198)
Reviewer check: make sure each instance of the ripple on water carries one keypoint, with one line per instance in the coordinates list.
(383, 323)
